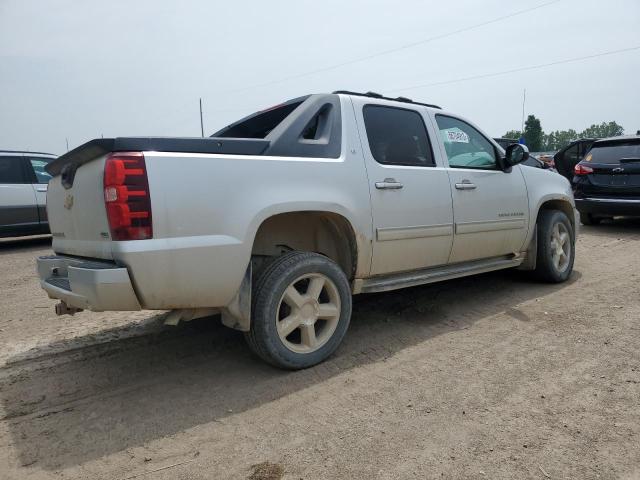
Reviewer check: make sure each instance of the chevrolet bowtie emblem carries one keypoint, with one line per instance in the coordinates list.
(68, 201)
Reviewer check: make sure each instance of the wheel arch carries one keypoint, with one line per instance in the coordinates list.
(315, 230)
(562, 204)
(307, 226)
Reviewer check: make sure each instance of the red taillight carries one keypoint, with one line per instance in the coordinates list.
(126, 196)
(581, 169)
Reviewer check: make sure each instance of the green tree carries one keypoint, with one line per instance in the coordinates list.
(605, 129)
(538, 141)
(533, 134)
(549, 141)
(513, 134)
(559, 138)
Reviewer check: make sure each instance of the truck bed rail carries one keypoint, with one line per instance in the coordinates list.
(101, 146)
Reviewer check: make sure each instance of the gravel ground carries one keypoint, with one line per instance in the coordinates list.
(491, 377)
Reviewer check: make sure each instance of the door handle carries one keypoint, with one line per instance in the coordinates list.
(389, 184)
(41, 189)
(466, 185)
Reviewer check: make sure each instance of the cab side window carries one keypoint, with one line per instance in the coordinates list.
(466, 147)
(11, 170)
(38, 165)
(397, 136)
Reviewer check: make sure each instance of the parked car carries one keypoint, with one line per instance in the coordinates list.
(505, 142)
(23, 190)
(607, 180)
(535, 162)
(547, 159)
(568, 157)
(280, 218)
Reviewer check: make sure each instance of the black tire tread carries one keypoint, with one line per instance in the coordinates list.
(265, 282)
(544, 269)
(265, 274)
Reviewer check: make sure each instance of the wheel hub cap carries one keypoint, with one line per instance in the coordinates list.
(308, 313)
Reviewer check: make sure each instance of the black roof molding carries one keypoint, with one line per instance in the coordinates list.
(382, 97)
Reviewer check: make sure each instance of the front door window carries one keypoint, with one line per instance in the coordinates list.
(466, 147)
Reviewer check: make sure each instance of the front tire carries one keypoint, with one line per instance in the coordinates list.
(556, 247)
(301, 310)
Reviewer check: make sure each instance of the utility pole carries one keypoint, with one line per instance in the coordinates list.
(524, 99)
(67, 140)
(201, 123)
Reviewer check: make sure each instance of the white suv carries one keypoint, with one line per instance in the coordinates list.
(23, 190)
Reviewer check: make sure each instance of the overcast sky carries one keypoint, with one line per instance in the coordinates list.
(79, 69)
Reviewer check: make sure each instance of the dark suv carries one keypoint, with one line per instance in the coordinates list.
(607, 180)
(568, 157)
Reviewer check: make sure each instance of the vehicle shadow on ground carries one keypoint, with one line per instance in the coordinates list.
(12, 245)
(609, 227)
(106, 398)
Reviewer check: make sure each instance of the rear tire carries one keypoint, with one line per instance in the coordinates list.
(556, 247)
(300, 311)
(588, 219)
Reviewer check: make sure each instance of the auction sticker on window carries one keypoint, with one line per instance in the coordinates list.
(457, 136)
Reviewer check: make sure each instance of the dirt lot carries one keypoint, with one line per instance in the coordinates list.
(486, 377)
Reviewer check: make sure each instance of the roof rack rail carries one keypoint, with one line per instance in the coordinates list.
(26, 151)
(382, 97)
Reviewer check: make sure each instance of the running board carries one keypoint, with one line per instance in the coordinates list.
(431, 275)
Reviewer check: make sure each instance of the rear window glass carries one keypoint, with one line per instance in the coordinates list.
(39, 165)
(614, 152)
(572, 154)
(11, 170)
(260, 124)
(397, 136)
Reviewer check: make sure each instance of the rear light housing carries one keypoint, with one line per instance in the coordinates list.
(126, 196)
(581, 169)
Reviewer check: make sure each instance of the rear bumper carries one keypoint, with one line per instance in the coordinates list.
(608, 206)
(85, 284)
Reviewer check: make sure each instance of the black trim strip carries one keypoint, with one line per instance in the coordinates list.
(16, 215)
(101, 146)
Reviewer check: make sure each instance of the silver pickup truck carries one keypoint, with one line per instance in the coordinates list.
(278, 219)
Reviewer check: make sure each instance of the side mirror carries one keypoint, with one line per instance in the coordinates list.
(515, 154)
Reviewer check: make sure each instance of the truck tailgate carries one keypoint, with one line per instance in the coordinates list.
(77, 215)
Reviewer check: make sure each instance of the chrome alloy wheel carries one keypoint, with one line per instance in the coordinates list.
(560, 247)
(308, 313)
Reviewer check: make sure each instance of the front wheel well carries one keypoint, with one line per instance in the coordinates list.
(561, 205)
(326, 233)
